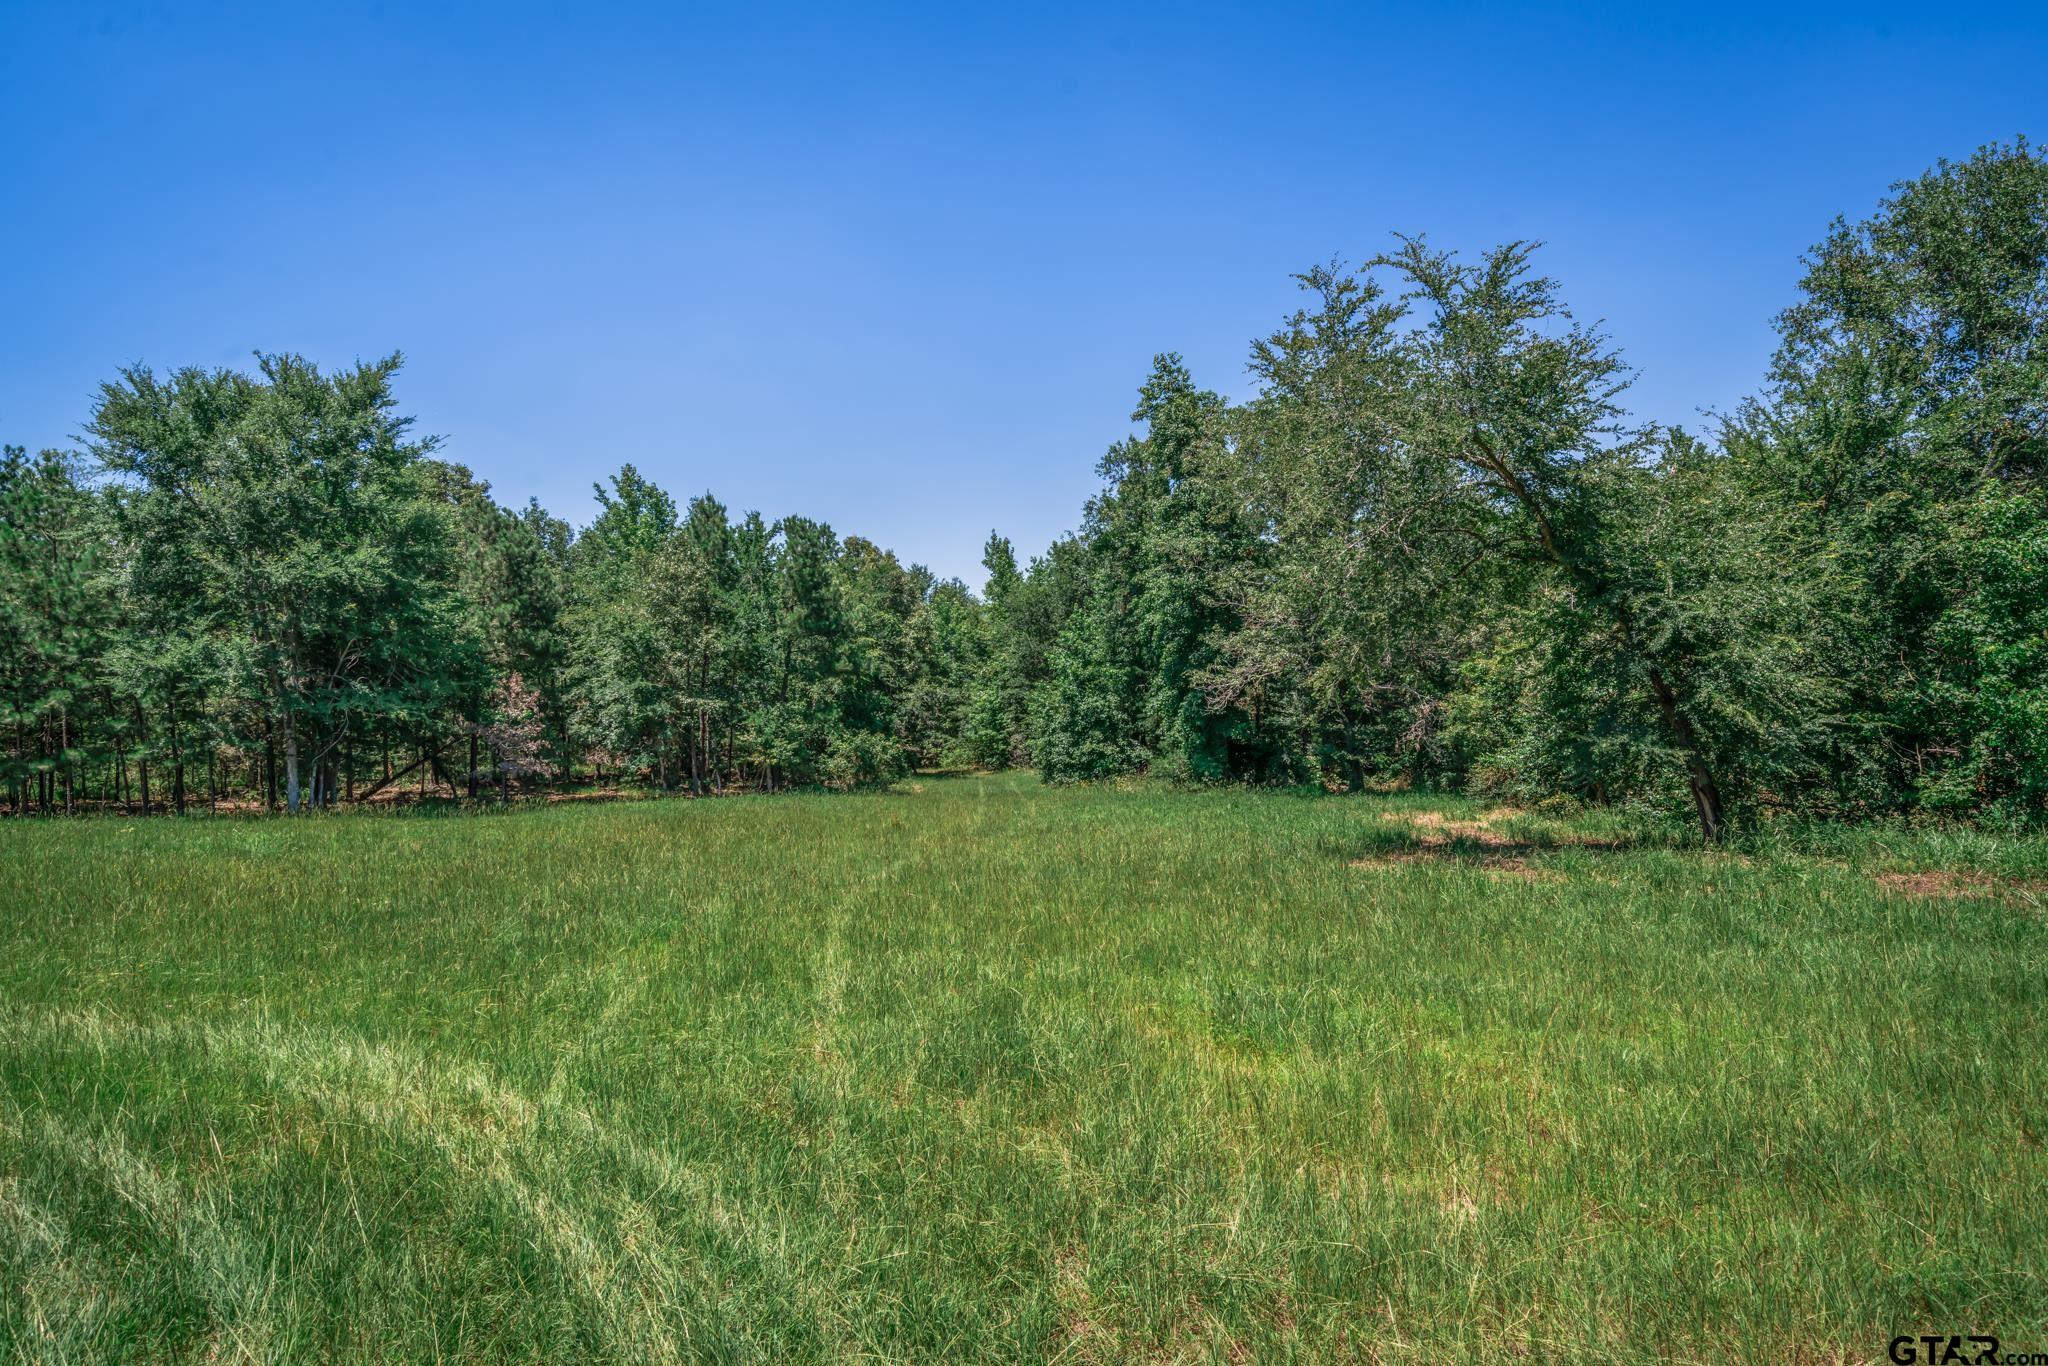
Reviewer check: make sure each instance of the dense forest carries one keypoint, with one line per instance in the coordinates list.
(1433, 549)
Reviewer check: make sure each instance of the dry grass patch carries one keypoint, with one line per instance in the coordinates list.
(1949, 884)
(1501, 865)
(1477, 842)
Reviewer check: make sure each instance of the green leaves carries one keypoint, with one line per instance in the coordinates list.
(1432, 549)
(286, 520)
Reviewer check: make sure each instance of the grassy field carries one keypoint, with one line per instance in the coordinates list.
(979, 1069)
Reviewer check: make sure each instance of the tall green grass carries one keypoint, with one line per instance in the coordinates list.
(989, 1070)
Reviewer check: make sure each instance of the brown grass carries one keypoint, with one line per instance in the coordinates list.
(1947, 884)
(1439, 838)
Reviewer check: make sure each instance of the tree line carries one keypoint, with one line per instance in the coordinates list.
(1434, 548)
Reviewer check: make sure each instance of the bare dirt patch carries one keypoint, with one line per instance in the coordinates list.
(1438, 838)
(1440, 830)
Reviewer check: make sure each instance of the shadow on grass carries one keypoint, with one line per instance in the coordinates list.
(1431, 837)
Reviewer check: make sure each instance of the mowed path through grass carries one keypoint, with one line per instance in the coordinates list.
(980, 1069)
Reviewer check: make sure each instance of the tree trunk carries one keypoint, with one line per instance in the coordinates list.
(177, 761)
(390, 778)
(1706, 793)
(472, 765)
(291, 765)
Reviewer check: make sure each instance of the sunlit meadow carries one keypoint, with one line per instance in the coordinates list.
(978, 1068)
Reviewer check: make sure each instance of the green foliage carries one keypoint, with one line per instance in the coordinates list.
(285, 519)
(54, 625)
(1909, 402)
(1993, 640)
(1082, 717)
(277, 588)
(1433, 549)
(712, 653)
(1121, 687)
(1014, 640)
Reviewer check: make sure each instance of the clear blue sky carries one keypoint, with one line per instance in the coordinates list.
(902, 268)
